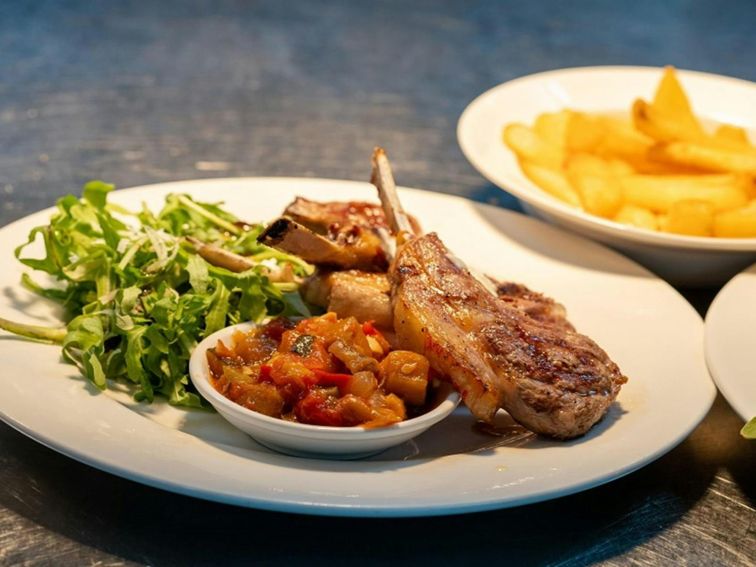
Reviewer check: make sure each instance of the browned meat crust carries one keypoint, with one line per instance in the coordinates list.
(321, 217)
(534, 304)
(551, 379)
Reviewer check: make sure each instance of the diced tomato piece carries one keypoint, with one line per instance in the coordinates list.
(314, 409)
(265, 373)
(276, 328)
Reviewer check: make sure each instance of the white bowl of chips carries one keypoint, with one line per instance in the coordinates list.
(572, 153)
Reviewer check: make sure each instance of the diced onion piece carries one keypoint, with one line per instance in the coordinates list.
(375, 346)
(354, 409)
(361, 384)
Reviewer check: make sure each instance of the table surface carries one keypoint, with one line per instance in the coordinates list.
(138, 92)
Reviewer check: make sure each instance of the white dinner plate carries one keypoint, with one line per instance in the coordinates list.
(680, 259)
(647, 328)
(731, 342)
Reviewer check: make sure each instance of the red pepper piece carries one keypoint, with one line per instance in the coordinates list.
(369, 329)
(265, 370)
(332, 379)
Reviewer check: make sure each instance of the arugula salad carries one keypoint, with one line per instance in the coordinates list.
(137, 293)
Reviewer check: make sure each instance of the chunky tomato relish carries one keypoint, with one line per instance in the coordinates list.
(322, 371)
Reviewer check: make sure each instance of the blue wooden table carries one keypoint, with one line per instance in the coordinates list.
(141, 92)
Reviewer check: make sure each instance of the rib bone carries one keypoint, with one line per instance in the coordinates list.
(362, 252)
(383, 178)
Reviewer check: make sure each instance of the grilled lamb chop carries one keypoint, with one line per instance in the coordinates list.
(518, 353)
(551, 379)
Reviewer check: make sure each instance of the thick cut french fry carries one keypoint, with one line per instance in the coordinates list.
(551, 181)
(594, 165)
(750, 187)
(622, 141)
(705, 157)
(552, 127)
(694, 218)
(529, 146)
(587, 164)
(584, 132)
(620, 167)
(736, 223)
(637, 216)
(670, 100)
(664, 128)
(600, 195)
(594, 180)
(608, 137)
(661, 127)
(649, 167)
(733, 135)
(659, 170)
(659, 192)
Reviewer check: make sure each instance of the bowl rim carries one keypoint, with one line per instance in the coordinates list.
(200, 377)
(527, 191)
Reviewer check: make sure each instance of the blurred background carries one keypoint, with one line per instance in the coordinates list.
(140, 92)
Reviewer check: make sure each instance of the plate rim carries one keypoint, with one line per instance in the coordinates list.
(356, 509)
(563, 211)
(723, 380)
